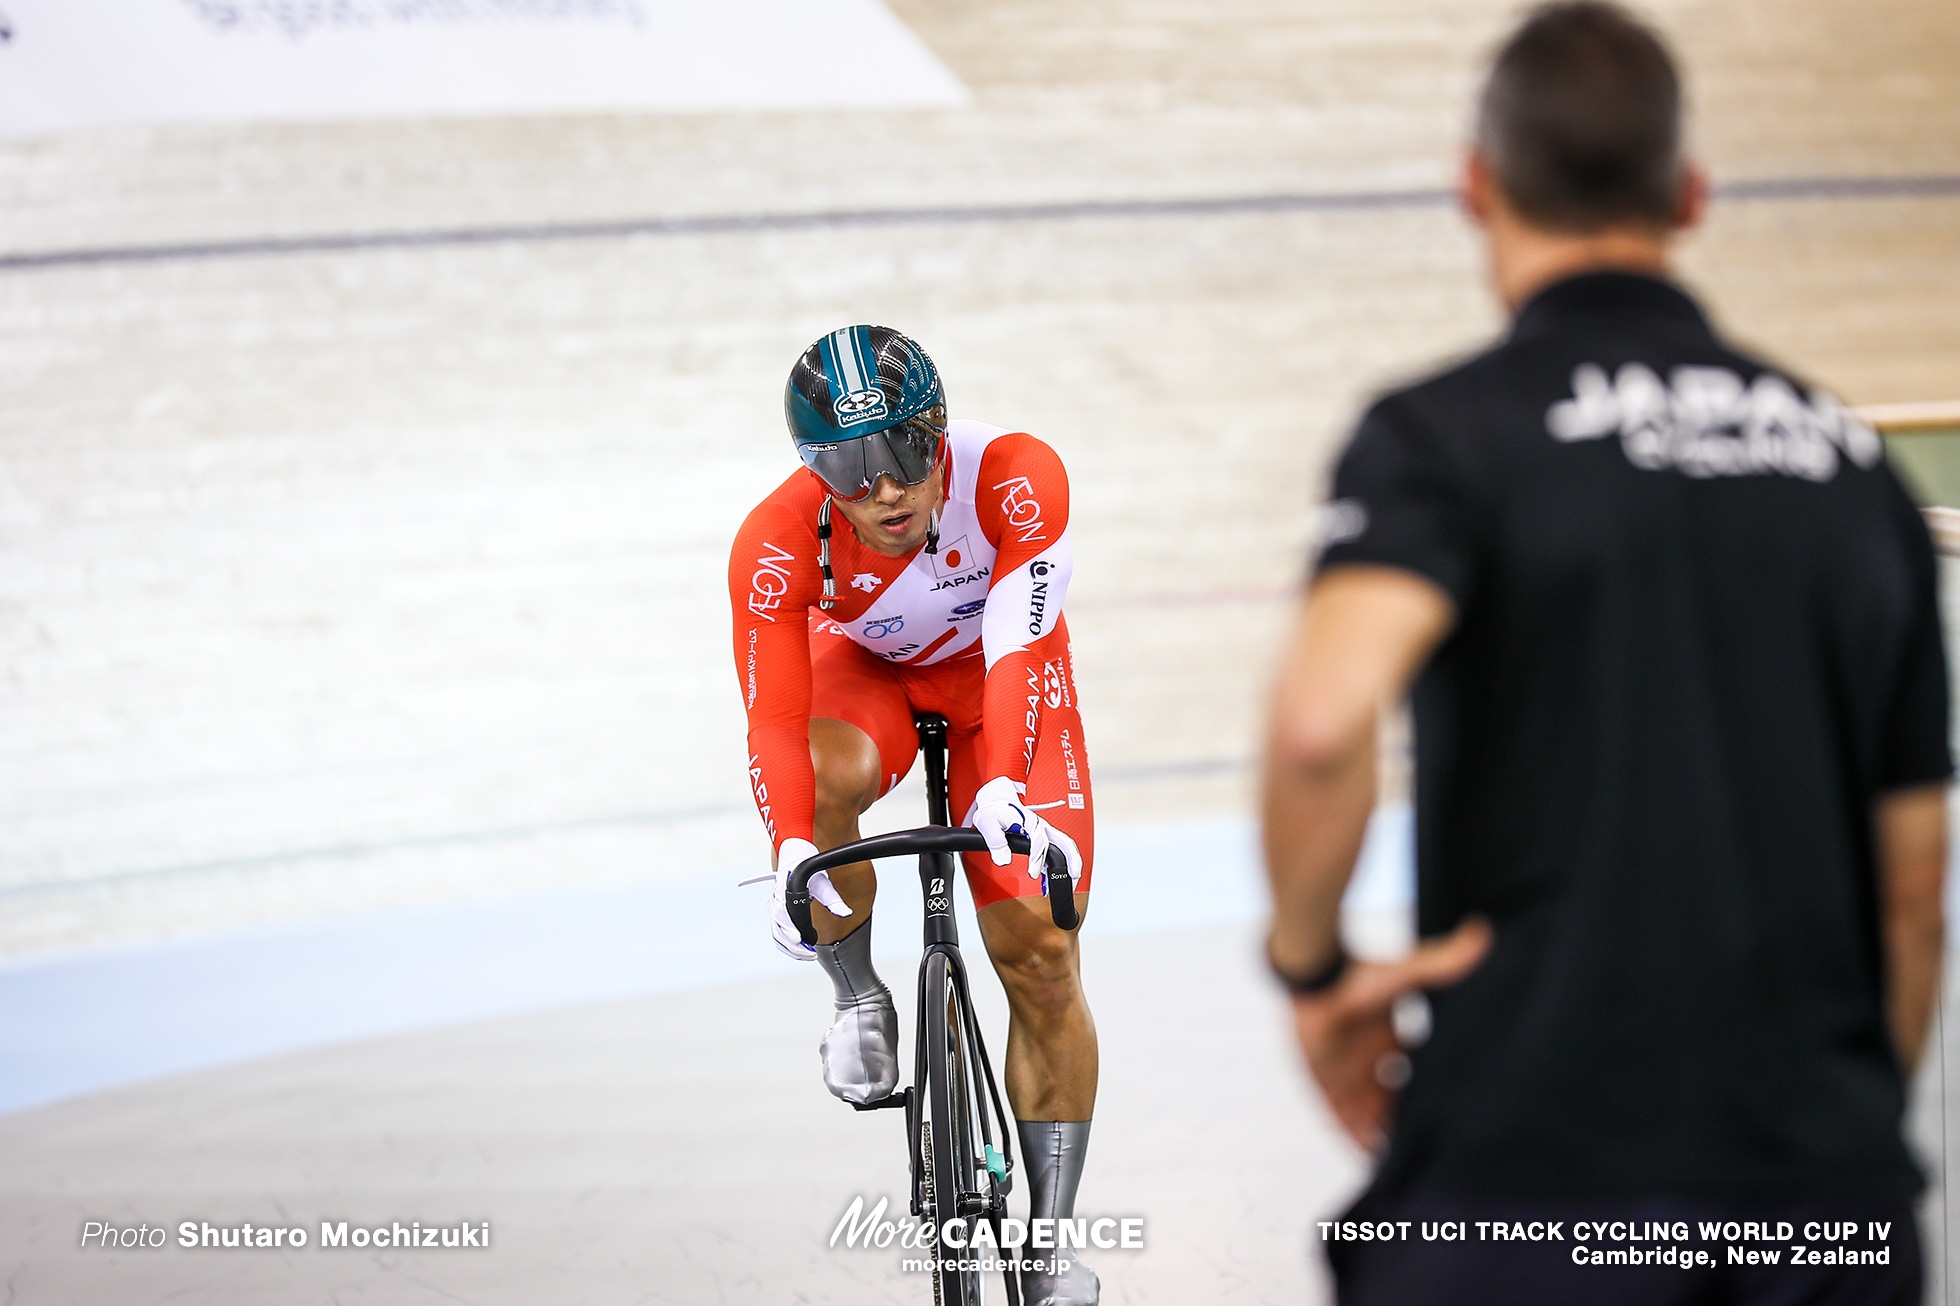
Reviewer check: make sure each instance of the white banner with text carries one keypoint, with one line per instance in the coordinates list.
(80, 63)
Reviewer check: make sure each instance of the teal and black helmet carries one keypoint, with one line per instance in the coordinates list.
(865, 402)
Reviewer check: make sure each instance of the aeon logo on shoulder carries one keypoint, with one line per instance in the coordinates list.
(770, 581)
(860, 406)
(1022, 509)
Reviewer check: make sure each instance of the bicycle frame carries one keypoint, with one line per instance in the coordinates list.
(935, 845)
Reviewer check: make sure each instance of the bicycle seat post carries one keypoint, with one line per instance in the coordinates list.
(936, 869)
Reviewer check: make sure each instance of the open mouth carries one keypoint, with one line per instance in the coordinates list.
(897, 523)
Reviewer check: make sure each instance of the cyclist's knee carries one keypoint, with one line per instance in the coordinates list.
(847, 767)
(1040, 971)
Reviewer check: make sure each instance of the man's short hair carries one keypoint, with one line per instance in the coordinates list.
(1580, 120)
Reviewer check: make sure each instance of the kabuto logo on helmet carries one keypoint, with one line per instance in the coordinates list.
(864, 402)
(860, 406)
(850, 365)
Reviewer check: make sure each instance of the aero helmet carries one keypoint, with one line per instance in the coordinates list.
(865, 402)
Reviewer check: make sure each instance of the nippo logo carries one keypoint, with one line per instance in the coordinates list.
(1037, 598)
(860, 406)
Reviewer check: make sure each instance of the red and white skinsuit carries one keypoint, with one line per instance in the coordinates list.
(973, 632)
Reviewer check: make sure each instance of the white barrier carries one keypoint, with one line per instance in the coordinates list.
(78, 63)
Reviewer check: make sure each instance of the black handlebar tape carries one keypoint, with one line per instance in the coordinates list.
(1061, 891)
(925, 839)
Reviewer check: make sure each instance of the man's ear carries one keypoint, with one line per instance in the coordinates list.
(1691, 203)
(1474, 187)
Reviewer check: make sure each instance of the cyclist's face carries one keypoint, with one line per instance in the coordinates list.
(892, 519)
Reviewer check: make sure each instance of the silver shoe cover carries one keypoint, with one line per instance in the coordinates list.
(1075, 1286)
(860, 1051)
(1053, 1152)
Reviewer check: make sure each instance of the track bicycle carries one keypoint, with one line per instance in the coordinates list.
(957, 1170)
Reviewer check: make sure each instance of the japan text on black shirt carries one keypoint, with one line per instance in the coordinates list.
(1697, 635)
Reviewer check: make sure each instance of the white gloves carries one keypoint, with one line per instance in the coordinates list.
(998, 808)
(792, 854)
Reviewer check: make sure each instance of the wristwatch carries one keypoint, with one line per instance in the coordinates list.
(1318, 981)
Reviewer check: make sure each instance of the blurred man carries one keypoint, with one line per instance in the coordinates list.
(1681, 751)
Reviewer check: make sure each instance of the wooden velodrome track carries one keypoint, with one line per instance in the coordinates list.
(366, 491)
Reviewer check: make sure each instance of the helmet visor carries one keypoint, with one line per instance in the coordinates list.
(907, 453)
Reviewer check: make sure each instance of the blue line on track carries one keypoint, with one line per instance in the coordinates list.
(1767, 188)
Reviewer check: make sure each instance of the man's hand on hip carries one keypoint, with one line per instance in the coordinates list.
(1348, 1032)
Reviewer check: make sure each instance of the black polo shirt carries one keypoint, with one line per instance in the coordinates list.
(1697, 635)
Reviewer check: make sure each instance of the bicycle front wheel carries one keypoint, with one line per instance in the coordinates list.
(956, 1180)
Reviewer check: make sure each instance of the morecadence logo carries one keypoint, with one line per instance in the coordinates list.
(866, 1226)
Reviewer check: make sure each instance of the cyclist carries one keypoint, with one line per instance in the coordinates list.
(919, 565)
